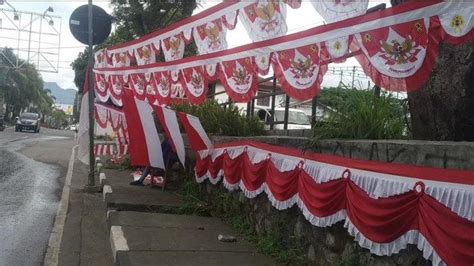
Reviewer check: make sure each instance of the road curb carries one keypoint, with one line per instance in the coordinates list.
(118, 242)
(54, 244)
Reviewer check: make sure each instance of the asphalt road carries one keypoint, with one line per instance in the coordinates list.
(32, 168)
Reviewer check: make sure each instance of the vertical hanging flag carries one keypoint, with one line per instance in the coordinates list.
(144, 142)
(170, 125)
(83, 134)
(198, 138)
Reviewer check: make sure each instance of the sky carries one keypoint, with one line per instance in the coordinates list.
(297, 20)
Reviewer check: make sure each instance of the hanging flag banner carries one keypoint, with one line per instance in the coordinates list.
(169, 122)
(100, 59)
(337, 49)
(173, 47)
(229, 20)
(138, 85)
(337, 10)
(118, 82)
(385, 206)
(195, 83)
(458, 25)
(299, 71)
(101, 87)
(397, 54)
(263, 63)
(161, 81)
(145, 55)
(239, 79)
(264, 19)
(210, 37)
(393, 55)
(121, 59)
(197, 136)
(145, 144)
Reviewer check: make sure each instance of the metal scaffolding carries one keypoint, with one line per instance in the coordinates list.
(34, 38)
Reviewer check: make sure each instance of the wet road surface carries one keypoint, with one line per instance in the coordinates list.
(29, 196)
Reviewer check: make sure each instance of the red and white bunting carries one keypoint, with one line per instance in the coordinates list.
(229, 20)
(100, 59)
(263, 63)
(397, 54)
(197, 136)
(293, 3)
(118, 82)
(145, 145)
(336, 10)
(211, 70)
(457, 26)
(177, 93)
(337, 49)
(145, 55)
(264, 19)
(101, 116)
(121, 59)
(195, 83)
(138, 85)
(210, 37)
(101, 87)
(173, 47)
(170, 125)
(299, 71)
(161, 81)
(151, 90)
(239, 79)
(393, 55)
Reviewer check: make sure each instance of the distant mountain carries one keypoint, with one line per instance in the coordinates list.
(63, 96)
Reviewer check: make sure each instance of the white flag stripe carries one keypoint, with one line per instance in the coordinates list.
(172, 125)
(155, 154)
(83, 131)
(196, 124)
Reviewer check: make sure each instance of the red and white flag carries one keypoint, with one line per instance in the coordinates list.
(198, 138)
(83, 132)
(170, 125)
(144, 146)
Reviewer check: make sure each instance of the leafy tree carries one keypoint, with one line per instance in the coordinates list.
(22, 87)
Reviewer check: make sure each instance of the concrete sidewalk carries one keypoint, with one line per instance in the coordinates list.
(144, 230)
(136, 225)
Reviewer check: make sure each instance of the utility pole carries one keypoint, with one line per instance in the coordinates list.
(91, 180)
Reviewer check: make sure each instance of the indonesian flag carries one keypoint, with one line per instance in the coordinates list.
(83, 134)
(144, 145)
(198, 138)
(169, 122)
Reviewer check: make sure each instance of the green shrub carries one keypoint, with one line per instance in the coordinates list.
(364, 116)
(218, 120)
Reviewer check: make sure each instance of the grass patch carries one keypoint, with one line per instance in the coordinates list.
(224, 205)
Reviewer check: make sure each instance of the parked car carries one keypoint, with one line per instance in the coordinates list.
(297, 119)
(28, 121)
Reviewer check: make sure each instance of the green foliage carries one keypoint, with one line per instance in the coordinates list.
(22, 86)
(224, 205)
(218, 120)
(361, 115)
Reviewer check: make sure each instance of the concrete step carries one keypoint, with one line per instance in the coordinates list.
(120, 195)
(139, 238)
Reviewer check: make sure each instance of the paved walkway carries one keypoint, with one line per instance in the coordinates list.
(134, 225)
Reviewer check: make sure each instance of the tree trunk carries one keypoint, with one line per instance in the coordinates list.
(443, 108)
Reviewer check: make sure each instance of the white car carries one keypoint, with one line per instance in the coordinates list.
(297, 119)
